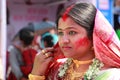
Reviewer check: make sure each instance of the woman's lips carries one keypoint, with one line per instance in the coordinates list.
(66, 47)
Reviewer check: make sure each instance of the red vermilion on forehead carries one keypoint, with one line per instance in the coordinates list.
(65, 15)
(82, 42)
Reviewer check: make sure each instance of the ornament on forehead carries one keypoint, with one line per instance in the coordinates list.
(65, 15)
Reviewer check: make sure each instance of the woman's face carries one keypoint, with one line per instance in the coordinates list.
(73, 39)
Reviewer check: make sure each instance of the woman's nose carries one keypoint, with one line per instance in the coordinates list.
(65, 39)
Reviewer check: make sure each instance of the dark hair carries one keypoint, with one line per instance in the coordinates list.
(83, 14)
(26, 36)
(49, 40)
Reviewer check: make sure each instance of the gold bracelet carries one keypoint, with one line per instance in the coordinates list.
(35, 77)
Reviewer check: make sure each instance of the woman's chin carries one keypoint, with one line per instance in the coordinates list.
(68, 56)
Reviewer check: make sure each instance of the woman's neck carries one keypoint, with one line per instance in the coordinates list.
(89, 56)
(27, 47)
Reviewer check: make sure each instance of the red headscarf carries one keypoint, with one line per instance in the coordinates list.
(106, 42)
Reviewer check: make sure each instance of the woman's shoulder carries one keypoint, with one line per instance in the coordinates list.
(109, 74)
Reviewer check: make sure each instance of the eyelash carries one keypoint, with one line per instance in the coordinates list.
(72, 33)
(60, 33)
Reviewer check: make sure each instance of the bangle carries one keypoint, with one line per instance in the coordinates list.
(35, 77)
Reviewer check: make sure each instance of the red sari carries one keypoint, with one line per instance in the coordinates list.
(28, 59)
(59, 59)
(28, 56)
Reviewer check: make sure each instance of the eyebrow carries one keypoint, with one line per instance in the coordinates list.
(67, 28)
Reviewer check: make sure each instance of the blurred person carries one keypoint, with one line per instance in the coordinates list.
(47, 40)
(35, 43)
(14, 60)
(21, 63)
(28, 52)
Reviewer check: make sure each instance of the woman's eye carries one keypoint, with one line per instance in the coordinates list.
(60, 33)
(72, 33)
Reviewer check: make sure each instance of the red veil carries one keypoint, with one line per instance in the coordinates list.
(106, 42)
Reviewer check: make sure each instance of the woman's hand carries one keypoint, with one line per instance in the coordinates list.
(42, 62)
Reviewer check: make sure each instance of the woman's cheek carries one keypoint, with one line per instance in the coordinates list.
(82, 42)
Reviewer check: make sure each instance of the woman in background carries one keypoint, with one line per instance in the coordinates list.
(47, 40)
(22, 56)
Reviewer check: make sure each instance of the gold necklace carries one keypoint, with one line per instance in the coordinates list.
(69, 69)
(78, 63)
(72, 74)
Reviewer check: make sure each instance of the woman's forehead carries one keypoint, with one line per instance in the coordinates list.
(68, 23)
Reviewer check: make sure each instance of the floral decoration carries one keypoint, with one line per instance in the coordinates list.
(63, 68)
(94, 68)
(91, 73)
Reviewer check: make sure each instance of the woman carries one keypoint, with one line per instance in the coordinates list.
(88, 42)
(28, 52)
(22, 56)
